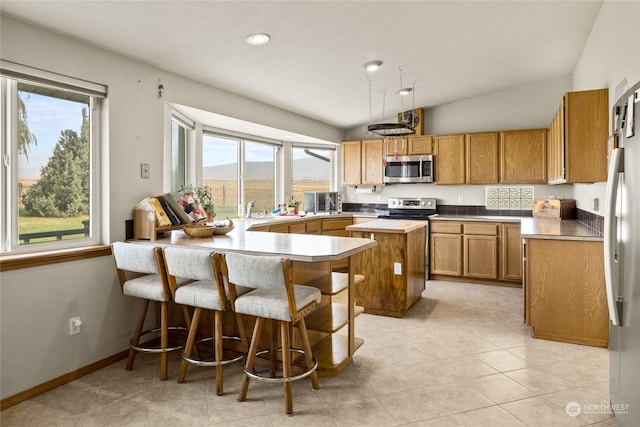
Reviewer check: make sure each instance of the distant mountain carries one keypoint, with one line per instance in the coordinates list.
(308, 169)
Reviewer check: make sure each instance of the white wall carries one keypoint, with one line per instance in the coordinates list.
(611, 59)
(524, 107)
(36, 303)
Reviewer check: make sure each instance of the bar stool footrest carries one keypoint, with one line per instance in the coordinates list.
(198, 362)
(145, 349)
(281, 379)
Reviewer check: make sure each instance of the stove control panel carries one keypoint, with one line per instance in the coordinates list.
(411, 203)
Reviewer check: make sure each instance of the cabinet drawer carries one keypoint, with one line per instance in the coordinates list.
(335, 224)
(481, 228)
(297, 228)
(445, 227)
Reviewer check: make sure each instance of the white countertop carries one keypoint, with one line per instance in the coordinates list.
(297, 247)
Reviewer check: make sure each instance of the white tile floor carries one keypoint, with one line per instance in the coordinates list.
(462, 357)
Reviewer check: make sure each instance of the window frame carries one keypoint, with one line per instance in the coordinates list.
(10, 75)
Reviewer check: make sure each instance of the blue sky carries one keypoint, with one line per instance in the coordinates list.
(47, 117)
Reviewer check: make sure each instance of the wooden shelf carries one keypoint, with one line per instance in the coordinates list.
(145, 228)
(332, 353)
(331, 318)
(334, 283)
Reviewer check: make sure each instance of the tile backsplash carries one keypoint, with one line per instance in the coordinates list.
(513, 198)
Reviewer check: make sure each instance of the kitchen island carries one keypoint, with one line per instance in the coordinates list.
(395, 269)
(312, 256)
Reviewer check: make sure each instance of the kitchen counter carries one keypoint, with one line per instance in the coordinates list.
(535, 228)
(387, 226)
(478, 218)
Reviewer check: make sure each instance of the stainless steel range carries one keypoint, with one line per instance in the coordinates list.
(415, 209)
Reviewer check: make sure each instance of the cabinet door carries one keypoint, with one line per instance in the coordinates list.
(481, 150)
(396, 146)
(446, 254)
(420, 145)
(372, 165)
(523, 157)
(555, 148)
(449, 161)
(350, 162)
(587, 130)
(511, 253)
(480, 256)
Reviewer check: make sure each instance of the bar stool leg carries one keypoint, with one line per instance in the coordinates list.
(251, 358)
(273, 348)
(164, 340)
(136, 335)
(308, 356)
(193, 330)
(218, 349)
(286, 366)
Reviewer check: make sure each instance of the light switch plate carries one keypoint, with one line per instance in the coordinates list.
(144, 170)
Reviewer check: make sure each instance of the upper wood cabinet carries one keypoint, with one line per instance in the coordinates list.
(350, 162)
(481, 155)
(449, 161)
(362, 162)
(577, 145)
(372, 162)
(523, 156)
(420, 145)
(396, 146)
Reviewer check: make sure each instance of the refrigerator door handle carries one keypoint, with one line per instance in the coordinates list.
(610, 233)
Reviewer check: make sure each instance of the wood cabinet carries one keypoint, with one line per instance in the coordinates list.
(480, 257)
(396, 146)
(449, 159)
(361, 162)
(577, 138)
(523, 156)
(350, 162)
(565, 297)
(386, 290)
(476, 251)
(481, 158)
(420, 145)
(372, 162)
(445, 248)
(511, 253)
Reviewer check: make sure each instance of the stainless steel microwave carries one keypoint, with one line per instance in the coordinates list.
(322, 201)
(408, 169)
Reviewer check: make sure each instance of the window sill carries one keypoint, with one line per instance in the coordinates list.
(15, 262)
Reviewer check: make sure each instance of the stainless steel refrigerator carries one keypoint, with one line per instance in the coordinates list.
(622, 259)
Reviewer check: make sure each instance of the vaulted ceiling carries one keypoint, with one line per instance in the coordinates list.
(313, 65)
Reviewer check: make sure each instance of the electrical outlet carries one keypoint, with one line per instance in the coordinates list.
(74, 325)
(397, 268)
(145, 170)
(460, 198)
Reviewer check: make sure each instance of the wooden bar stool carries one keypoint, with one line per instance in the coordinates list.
(142, 274)
(274, 297)
(207, 291)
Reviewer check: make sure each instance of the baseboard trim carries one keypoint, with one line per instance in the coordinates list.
(61, 380)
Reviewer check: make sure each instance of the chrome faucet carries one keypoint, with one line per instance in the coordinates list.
(250, 206)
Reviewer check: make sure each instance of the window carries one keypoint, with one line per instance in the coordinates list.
(220, 173)
(311, 170)
(50, 176)
(259, 174)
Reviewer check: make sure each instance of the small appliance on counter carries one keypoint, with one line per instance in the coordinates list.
(322, 202)
(554, 208)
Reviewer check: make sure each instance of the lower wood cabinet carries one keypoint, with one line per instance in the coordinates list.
(565, 297)
(484, 252)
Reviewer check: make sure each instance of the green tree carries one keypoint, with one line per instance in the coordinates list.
(63, 188)
(25, 138)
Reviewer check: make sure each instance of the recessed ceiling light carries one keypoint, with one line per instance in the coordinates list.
(256, 39)
(372, 65)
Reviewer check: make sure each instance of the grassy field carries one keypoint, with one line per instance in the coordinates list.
(226, 202)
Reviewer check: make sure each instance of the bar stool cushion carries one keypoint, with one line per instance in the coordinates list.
(274, 304)
(201, 293)
(145, 287)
